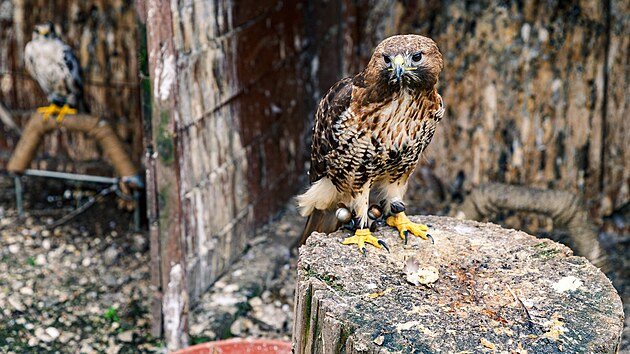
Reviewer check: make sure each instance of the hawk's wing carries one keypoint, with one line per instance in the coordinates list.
(330, 109)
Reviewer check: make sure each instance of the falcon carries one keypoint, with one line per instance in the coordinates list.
(56, 69)
(370, 131)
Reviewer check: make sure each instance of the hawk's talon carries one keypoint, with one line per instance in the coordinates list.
(384, 244)
(360, 238)
(431, 238)
(405, 226)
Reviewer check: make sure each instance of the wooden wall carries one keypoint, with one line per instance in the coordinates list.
(104, 37)
(228, 120)
(616, 154)
(240, 102)
(536, 91)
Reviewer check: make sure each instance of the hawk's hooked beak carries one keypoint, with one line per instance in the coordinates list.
(43, 31)
(399, 66)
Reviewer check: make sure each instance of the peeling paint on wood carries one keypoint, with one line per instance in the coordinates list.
(175, 307)
(165, 76)
(227, 85)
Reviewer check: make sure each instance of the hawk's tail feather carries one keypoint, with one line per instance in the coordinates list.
(321, 221)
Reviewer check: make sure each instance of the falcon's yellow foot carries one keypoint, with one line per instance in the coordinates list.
(401, 222)
(65, 110)
(363, 236)
(48, 110)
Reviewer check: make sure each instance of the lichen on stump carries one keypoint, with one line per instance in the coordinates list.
(497, 290)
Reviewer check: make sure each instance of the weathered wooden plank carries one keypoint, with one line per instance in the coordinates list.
(239, 86)
(167, 146)
(616, 156)
(495, 290)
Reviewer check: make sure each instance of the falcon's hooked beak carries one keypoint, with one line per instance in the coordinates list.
(42, 30)
(399, 67)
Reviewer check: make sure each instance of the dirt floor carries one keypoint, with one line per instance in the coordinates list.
(79, 287)
(83, 287)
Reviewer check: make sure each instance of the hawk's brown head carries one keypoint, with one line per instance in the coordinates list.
(410, 62)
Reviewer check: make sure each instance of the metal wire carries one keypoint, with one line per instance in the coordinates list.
(85, 206)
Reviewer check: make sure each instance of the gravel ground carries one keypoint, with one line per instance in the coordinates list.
(80, 287)
(84, 287)
(256, 298)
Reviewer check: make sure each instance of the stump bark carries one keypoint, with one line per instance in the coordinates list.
(496, 290)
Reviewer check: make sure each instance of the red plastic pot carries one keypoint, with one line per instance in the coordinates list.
(240, 346)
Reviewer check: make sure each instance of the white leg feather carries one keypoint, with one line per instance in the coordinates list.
(321, 195)
(360, 205)
(392, 192)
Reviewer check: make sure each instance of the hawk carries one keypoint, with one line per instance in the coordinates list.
(56, 69)
(370, 131)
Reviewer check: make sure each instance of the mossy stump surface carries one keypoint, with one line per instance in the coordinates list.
(497, 290)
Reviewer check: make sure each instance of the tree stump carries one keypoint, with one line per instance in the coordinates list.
(496, 290)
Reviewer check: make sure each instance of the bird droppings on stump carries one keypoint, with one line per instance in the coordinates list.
(497, 290)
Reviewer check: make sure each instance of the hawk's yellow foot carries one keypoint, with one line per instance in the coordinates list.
(363, 236)
(401, 222)
(65, 110)
(48, 110)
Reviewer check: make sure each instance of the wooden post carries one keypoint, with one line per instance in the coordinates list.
(163, 189)
(479, 288)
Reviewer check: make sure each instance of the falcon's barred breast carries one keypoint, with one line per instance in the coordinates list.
(370, 131)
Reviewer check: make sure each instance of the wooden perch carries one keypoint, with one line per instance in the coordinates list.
(496, 290)
(97, 128)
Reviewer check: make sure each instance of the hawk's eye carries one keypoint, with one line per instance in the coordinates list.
(417, 56)
(387, 59)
